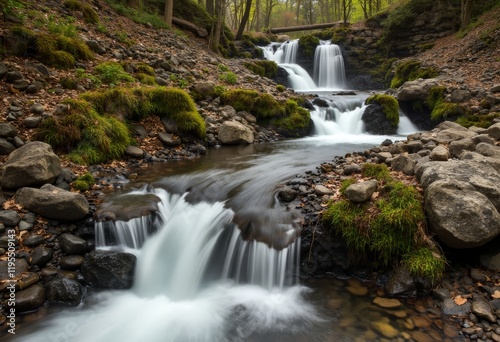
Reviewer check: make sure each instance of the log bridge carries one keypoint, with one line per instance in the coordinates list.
(305, 27)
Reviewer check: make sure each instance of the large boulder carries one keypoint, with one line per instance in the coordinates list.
(124, 207)
(460, 216)
(53, 203)
(362, 191)
(233, 132)
(415, 90)
(30, 299)
(31, 165)
(108, 269)
(60, 289)
(376, 121)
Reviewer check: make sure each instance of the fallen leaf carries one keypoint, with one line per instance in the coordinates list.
(496, 294)
(459, 300)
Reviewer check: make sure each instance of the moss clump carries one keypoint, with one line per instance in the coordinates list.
(68, 83)
(340, 34)
(256, 38)
(146, 79)
(112, 73)
(89, 15)
(346, 183)
(92, 138)
(84, 182)
(267, 69)
(411, 70)
(295, 123)
(483, 121)
(140, 102)
(378, 171)
(75, 47)
(441, 110)
(143, 68)
(390, 107)
(424, 262)
(281, 88)
(308, 44)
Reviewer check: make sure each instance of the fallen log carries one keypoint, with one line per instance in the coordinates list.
(200, 31)
(304, 27)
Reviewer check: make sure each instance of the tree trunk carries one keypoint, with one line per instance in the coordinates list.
(244, 20)
(210, 7)
(169, 11)
(466, 12)
(133, 3)
(217, 27)
(298, 12)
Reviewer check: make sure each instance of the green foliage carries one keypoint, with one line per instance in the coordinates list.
(75, 47)
(61, 26)
(228, 77)
(378, 171)
(89, 15)
(483, 121)
(9, 7)
(411, 70)
(112, 73)
(435, 97)
(281, 88)
(84, 182)
(256, 38)
(219, 90)
(223, 68)
(146, 79)
(140, 16)
(340, 34)
(296, 120)
(123, 38)
(60, 59)
(308, 44)
(143, 68)
(190, 11)
(390, 107)
(68, 83)
(346, 183)
(447, 110)
(423, 262)
(263, 68)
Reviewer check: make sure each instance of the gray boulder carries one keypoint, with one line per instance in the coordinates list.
(404, 164)
(33, 164)
(108, 269)
(6, 147)
(53, 203)
(458, 146)
(415, 90)
(7, 130)
(169, 139)
(41, 255)
(233, 132)
(474, 156)
(488, 150)
(459, 215)
(439, 153)
(71, 244)
(362, 191)
(494, 131)
(400, 283)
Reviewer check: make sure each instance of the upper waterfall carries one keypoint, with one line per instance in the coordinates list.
(329, 71)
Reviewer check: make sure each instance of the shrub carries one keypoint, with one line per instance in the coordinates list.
(228, 77)
(483, 121)
(89, 15)
(424, 262)
(112, 73)
(281, 88)
(390, 107)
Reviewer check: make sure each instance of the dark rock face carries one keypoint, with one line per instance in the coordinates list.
(71, 244)
(41, 255)
(33, 164)
(63, 290)
(107, 269)
(30, 299)
(376, 121)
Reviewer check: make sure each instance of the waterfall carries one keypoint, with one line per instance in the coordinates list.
(329, 71)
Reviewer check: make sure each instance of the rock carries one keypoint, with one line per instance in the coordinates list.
(32, 121)
(460, 216)
(33, 164)
(41, 255)
(494, 131)
(439, 153)
(168, 139)
(10, 218)
(21, 84)
(362, 191)
(495, 88)
(452, 308)
(124, 207)
(71, 262)
(21, 267)
(483, 177)
(404, 164)
(248, 117)
(42, 69)
(233, 132)
(376, 121)
(321, 190)
(95, 46)
(287, 194)
(13, 75)
(488, 150)
(384, 156)
(203, 90)
(3, 70)
(170, 125)
(53, 203)
(491, 261)
(477, 275)
(401, 283)
(33, 240)
(71, 244)
(30, 299)
(448, 135)
(415, 90)
(134, 152)
(37, 108)
(60, 289)
(445, 125)
(387, 303)
(385, 329)
(6, 147)
(7, 130)
(227, 112)
(483, 310)
(108, 269)
(350, 169)
(413, 146)
(458, 146)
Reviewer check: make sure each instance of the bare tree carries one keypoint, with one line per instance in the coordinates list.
(244, 20)
(215, 33)
(465, 12)
(346, 10)
(169, 11)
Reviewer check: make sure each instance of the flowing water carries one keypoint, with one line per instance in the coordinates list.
(219, 261)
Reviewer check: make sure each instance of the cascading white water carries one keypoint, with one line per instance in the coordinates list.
(329, 71)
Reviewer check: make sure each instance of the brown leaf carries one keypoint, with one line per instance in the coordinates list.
(496, 294)
(459, 300)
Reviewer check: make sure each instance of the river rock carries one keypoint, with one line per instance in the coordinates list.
(385, 329)
(287, 194)
(404, 164)
(10, 217)
(321, 190)
(33, 240)
(60, 289)
(134, 152)
(483, 310)
(248, 117)
(452, 134)
(376, 121)
(458, 146)
(53, 203)
(108, 269)
(400, 283)
(362, 191)
(460, 216)
(71, 262)
(488, 150)
(494, 131)
(452, 308)
(387, 303)
(21, 267)
(71, 244)
(6, 147)
(30, 299)
(169, 139)
(439, 153)
(124, 207)
(41, 255)
(416, 90)
(7, 130)
(233, 132)
(203, 90)
(491, 261)
(33, 164)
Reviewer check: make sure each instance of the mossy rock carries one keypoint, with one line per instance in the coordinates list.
(478, 120)
(89, 15)
(84, 182)
(341, 34)
(296, 123)
(411, 70)
(263, 68)
(257, 38)
(308, 44)
(389, 105)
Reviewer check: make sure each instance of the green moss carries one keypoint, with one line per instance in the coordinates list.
(267, 69)
(424, 262)
(84, 182)
(390, 107)
(447, 110)
(411, 70)
(146, 79)
(68, 83)
(435, 97)
(308, 44)
(378, 171)
(296, 120)
(228, 77)
(143, 68)
(257, 38)
(281, 88)
(483, 121)
(89, 15)
(60, 59)
(75, 47)
(346, 183)
(340, 34)
(112, 73)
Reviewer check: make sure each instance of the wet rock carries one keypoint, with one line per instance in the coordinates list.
(387, 303)
(33, 240)
(452, 308)
(6, 147)
(384, 328)
(71, 262)
(60, 289)
(376, 121)
(134, 152)
(460, 216)
(30, 299)
(21, 267)
(362, 191)
(41, 255)
(71, 244)
(287, 194)
(401, 283)
(33, 164)
(10, 218)
(124, 207)
(483, 310)
(169, 139)
(107, 269)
